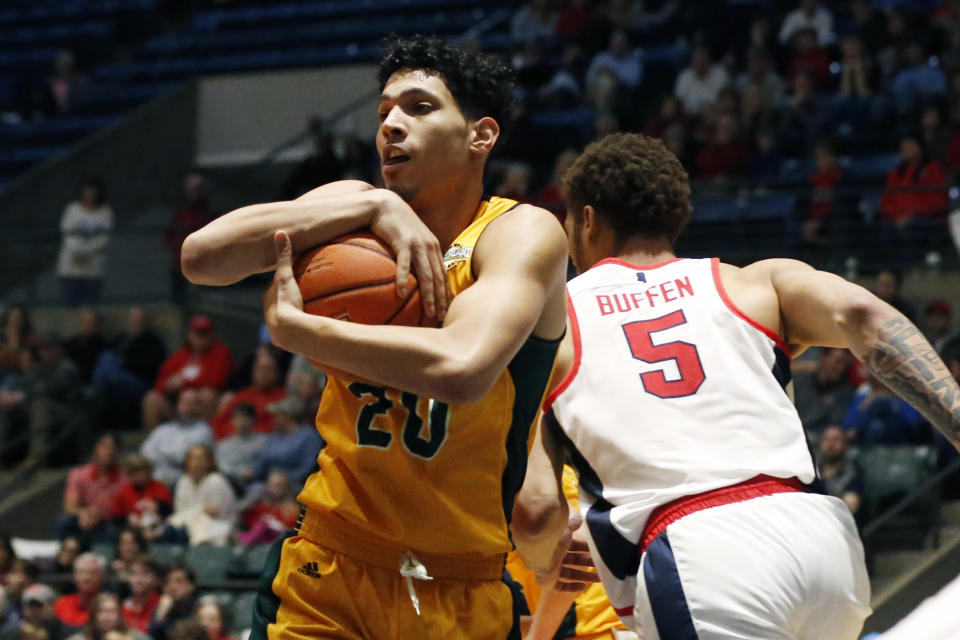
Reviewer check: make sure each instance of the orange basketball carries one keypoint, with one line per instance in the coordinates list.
(353, 278)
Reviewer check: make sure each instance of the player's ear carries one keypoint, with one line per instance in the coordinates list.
(589, 222)
(485, 134)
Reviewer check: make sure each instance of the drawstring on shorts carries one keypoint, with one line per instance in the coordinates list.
(411, 568)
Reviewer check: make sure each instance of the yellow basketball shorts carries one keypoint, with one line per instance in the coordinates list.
(308, 591)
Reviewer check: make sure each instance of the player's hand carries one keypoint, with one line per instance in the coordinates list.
(573, 568)
(414, 244)
(282, 301)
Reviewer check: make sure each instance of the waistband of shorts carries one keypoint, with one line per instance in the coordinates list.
(345, 539)
(759, 486)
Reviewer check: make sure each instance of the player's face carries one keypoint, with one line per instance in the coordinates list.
(424, 138)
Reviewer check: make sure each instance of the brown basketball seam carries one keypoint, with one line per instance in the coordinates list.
(403, 306)
(361, 286)
(379, 252)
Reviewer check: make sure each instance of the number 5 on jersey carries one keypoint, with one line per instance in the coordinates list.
(639, 337)
(368, 435)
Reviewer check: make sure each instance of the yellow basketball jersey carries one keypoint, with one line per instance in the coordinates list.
(407, 472)
(591, 613)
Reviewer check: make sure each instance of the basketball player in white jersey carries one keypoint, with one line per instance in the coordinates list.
(671, 403)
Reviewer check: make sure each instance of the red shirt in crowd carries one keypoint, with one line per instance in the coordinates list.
(128, 497)
(139, 617)
(208, 369)
(222, 426)
(823, 183)
(913, 190)
(89, 487)
(70, 611)
(721, 159)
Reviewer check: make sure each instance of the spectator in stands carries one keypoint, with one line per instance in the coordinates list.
(914, 204)
(74, 609)
(130, 545)
(21, 574)
(292, 448)
(671, 111)
(830, 218)
(127, 369)
(878, 417)
(889, 288)
(306, 382)
(39, 620)
(144, 582)
(192, 213)
(918, 81)
(237, 454)
(553, 195)
(764, 164)
(808, 57)
(88, 499)
(573, 17)
(43, 400)
(320, 167)
(755, 116)
(203, 363)
(85, 231)
(824, 395)
(516, 182)
(867, 26)
(840, 476)
(698, 85)
(802, 115)
(274, 511)
(809, 15)
(614, 71)
(7, 557)
(64, 90)
(106, 616)
(725, 157)
(934, 135)
(67, 554)
(167, 445)
(17, 334)
(86, 345)
(142, 503)
(177, 603)
(534, 20)
(204, 504)
(675, 139)
(759, 75)
(189, 629)
(937, 324)
(265, 388)
(855, 70)
(214, 618)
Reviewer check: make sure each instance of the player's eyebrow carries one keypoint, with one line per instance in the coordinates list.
(412, 91)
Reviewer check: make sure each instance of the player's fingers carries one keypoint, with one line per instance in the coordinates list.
(441, 293)
(575, 587)
(403, 270)
(578, 545)
(284, 251)
(421, 259)
(568, 573)
(574, 520)
(577, 559)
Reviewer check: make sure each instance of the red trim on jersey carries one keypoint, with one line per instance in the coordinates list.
(770, 333)
(756, 487)
(641, 267)
(624, 612)
(567, 379)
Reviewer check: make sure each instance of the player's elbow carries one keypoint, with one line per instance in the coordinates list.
(195, 261)
(861, 313)
(536, 515)
(456, 382)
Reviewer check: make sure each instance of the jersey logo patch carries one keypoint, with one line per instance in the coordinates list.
(641, 276)
(455, 255)
(311, 569)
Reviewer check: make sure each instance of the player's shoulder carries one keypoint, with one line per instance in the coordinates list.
(526, 229)
(764, 270)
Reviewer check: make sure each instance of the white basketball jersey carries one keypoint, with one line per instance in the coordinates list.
(673, 392)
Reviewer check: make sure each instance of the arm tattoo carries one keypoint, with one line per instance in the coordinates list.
(901, 358)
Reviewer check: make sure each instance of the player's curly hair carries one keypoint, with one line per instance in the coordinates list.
(481, 84)
(634, 183)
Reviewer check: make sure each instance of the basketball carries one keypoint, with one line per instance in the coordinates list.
(353, 278)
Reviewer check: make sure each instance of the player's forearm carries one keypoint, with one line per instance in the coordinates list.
(551, 610)
(430, 363)
(537, 527)
(895, 351)
(240, 243)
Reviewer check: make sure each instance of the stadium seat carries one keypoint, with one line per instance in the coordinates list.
(167, 553)
(105, 550)
(248, 561)
(242, 611)
(890, 473)
(209, 561)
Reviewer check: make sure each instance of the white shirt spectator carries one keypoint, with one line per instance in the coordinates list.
(698, 93)
(85, 233)
(191, 500)
(820, 20)
(627, 69)
(167, 447)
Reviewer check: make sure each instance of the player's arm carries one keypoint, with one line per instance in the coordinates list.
(820, 308)
(240, 243)
(519, 291)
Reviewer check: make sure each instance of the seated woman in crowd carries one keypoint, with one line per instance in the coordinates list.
(204, 505)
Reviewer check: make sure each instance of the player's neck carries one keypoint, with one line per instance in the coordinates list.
(449, 212)
(644, 251)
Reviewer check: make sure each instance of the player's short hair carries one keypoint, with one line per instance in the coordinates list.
(635, 184)
(482, 85)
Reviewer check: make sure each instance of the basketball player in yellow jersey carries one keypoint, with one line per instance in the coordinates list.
(587, 614)
(405, 531)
